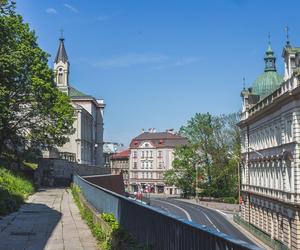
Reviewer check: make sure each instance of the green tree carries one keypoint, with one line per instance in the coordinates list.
(183, 173)
(34, 113)
(214, 150)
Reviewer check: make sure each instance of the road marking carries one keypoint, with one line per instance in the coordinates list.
(200, 208)
(186, 213)
(210, 220)
(225, 215)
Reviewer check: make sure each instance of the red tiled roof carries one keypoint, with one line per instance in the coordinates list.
(159, 140)
(121, 155)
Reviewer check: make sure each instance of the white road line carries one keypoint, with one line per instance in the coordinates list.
(210, 221)
(206, 216)
(186, 213)
(225, 215)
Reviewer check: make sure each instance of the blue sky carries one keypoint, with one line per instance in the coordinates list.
(156, 63)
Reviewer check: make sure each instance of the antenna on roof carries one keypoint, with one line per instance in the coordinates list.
(244, 84)
(61, 34)
(287, 35)
(269, 38)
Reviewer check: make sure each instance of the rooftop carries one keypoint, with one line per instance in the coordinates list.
(159, 140)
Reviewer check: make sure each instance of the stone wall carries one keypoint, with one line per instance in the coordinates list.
(58, 173)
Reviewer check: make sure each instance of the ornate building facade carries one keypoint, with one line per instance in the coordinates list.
(270, 132)
(151, 154)
(86, 144)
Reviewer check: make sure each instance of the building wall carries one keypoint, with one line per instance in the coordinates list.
(270, 175)
(147, 166)
(120, 165)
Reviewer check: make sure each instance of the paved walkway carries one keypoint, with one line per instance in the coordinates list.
(50, 220)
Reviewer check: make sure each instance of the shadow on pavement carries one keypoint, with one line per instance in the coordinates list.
(29, 228)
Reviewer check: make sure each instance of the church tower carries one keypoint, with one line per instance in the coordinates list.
(62, 68)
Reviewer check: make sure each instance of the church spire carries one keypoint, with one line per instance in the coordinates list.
(62, 68)
(61, 53)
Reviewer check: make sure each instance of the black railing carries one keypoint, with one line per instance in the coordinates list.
(155, 228)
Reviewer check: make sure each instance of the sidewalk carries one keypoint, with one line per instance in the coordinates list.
(50, 220)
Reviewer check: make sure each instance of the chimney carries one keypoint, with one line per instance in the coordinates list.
(143, 130)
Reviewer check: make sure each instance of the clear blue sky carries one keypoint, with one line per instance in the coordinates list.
(156, 63)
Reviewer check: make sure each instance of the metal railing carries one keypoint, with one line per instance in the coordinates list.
(155, 228)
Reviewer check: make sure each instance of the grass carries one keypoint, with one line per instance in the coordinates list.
(113, 239)
(14, 190)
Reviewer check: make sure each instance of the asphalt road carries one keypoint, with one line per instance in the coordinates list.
(198, 214)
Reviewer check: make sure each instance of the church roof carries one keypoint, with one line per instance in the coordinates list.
(61, 53)
(76, 93)
(269, 80)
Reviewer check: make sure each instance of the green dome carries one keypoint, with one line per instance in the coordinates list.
(269, 80)
(266, 83)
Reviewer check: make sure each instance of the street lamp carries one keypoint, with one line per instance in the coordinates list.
(239, 182)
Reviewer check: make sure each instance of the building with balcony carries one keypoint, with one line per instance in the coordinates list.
(119, 163)
(151, 154)
(270, 133)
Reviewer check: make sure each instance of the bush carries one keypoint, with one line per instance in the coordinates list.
(14, 190)
(114, 239)
(230, 200)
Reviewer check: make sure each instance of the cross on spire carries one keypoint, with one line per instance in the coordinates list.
(62, 34)
(287, 35)
(269, 38)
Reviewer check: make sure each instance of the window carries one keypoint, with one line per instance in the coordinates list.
(143, 165)
(159, 154)
(288, 131)
(135, 165)
(150, 154)
(146, 154)
(160, 165)
(60, 77)
(135, 154)
(150, 165)
(143, 154)
(149, 175)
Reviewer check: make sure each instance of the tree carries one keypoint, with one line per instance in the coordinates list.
(214, 149)
(183, 173)
(34, 113)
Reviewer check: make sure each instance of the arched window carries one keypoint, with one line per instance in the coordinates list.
(60, 78)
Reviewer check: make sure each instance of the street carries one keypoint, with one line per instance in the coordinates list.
(192, 212)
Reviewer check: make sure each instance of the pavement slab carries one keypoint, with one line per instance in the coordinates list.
(49, 220)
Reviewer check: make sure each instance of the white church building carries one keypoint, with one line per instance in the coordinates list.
(86, 144)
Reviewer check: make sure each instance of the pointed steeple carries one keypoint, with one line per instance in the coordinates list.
(61, 55)
(62, 68)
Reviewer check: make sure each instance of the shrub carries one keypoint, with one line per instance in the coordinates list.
(230, 200)
(14, 190)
